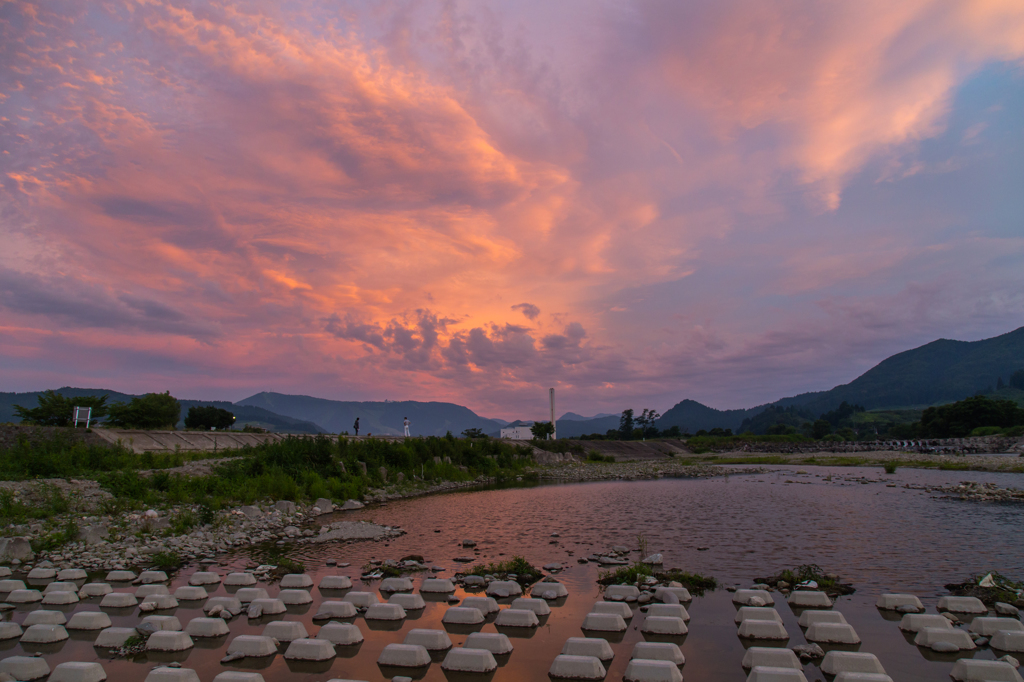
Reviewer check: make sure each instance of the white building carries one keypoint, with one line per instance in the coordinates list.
(521, 432)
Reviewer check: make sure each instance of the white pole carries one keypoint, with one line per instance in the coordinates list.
(554, 429)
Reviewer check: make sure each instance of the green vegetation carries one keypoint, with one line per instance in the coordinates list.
(151, 411)
(827, 582)
(474, 433)
(696, 583)
(560, 446)
(49, 501)
(595, 456)
(206, 417)
(525, 572)
(890, 467)
(998, 588)
(56, 410)
(167, 561)
(701, 444)
(541, 430)
(48, 543)
(959, 419)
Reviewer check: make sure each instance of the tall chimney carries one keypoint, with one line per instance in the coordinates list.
(554, 428)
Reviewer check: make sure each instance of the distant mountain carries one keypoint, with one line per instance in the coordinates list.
(384, 418)
(691, 416)
(574, 428)
(573, 417)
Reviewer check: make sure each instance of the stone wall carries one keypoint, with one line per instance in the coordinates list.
(11, 433)
(982, 445)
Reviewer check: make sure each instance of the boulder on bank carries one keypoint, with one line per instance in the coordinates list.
(15, 548)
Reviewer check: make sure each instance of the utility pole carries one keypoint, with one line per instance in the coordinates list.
(554, 428)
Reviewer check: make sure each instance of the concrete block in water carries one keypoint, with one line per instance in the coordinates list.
(929, 637)
(396, 585)
(644, 670)
(681, 593)
(437, 585)
(94, 590)
(1005, 640)
(621, 593)
(232, 604)
(239, 579)
(248, 594)
(987, 627)
(147, 577)
(78, 671)
(200, 578)
(190, 593)
(169, 640)
(663, 625)
(335, 582)
(9, 630)
(163, 622)
(469, 661)
(207, 627)
(172, 675)
(335, 609)
(120, 576)
(970, 670)
(409, 602)
(24, 597)
(360, 599)
(763, 673)
(504, 588)
(487, 605)
(404, 656)
(113, 638)
(341, 634)
(44, 618)
(5, 572)
(862, 677)
(588, 646)
(295, 597)
(43, 633)
(752, 598)
(89, 620)
(616, 607)
(270, 607)
(238, 676)
(310, 650)
(836, 662)
(72, 574)
(118, 600)
(668, 610)
(516, 618)
(549, 590)
(384, 612)
(10, 585)
(495, 642)
(253, 646)
(891, 602)
(296, 581)
(42, 574)
(809, 618)
(962, 605)
(808, 599)
(285, 630)
(834, 633)
(431, 640)
(60, 586)
(771, 657)
(161, 601)
(463, 615)
(150, 590)
(538, 606)
(604, 622)
(24, 668)
(658, 651)
(577, 668)
(60, 598)
(762, 629)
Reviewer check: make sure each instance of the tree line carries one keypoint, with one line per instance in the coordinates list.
(150, 411)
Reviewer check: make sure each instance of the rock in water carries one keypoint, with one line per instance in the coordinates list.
(808, 651)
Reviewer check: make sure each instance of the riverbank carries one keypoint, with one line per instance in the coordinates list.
(1003, 463)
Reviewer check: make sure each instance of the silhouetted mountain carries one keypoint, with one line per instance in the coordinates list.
(573, 417)
(384, 418)
(574, 428)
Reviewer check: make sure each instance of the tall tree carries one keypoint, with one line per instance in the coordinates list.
(541, 430)
(56, 410)
(151, 411)
(626, 425)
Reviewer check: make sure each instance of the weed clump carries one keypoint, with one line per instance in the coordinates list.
(830, 583)
(997, 588)
(525, 572)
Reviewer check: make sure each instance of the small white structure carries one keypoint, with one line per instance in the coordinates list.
(521, 432)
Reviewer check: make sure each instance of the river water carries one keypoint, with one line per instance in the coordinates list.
(861, 523)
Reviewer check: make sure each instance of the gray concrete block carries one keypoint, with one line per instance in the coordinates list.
(987, 627)
(604, 622)
(361, 599)
(270, 607)
(60, 586)
(463, 615)
(72, 574)
(150, 590)
(833, 633)
(404, 656)
(335, 609)
(836, 662)
(437, 586)
(538, 606)
(172, 675)
(1005, 640)
(928, 637)
(148, 577)
(396, 585)
(295, 597)
(78, 671)
(24, 668)
(335, 582)
(5, 572)
(549, 589)
(384, 612)
(757, 613)
(762, 629)
(658, 651)
(11, 584)
(43, 633)
(232, 604)
(239, 579)
(469, 661)
(516, 618)
(10, 630)
(94, 590)
(248, 594)
(118, 600)
(962, 605)
(120, 576)
(200, 578)
(495, 642)
(970, 670)
(668, 610)
(252, 646)
(169, 640)
(809, 618)
(680, 593)
(771, 657)
(341, 634)
(310, 650)
(285, 630)
(238, 676)
(296, 581)
(161, 601)
(588, 646)
(409, 602)
(862, 677)
(644, 670)
(431, 640)
(503, 588)
(42, 574)
(624, 592)
(808, 599)
(487, 605)
(113, 638)
(163, 622)
(190, 593)
(89, 620)
(663, 625)
(618, 608)
(24, 597)
(769, 674)
(60, 598)
(43, 617)
(207, 627)
(577, 668)
(752, 598)
(891, 602)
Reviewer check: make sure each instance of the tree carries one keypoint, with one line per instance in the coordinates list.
(151, 411)
(958, 419)
(1017, 379)
(821, 428)
(646, 421)
(208, 417)
(671, 432)
(474, 433)
(541, 430)
(56, 410)
(626, 425)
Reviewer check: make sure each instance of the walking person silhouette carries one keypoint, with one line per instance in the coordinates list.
(406, 423)
(356, 426)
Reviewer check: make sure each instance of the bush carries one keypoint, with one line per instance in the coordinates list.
(595, 456)
(525, 572)
(890, 467)
(206, 417)
(151, 411)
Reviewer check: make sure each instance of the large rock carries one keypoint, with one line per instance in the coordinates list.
(15, 548)
(94, 535)
(325, 505)
(352, 504)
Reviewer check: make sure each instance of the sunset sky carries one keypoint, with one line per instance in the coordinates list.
(633, 202)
